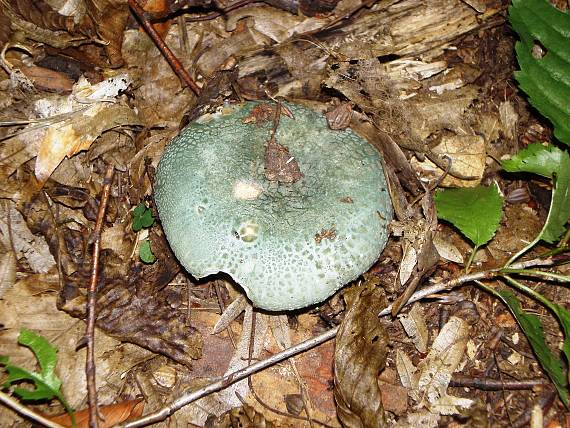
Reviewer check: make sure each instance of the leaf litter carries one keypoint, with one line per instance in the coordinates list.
(428, 99)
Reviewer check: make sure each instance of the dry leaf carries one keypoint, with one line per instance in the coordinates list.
(32, 248)
(467, 154)
(509, 119)
(112, 415)
(232, 311)
(82, 117)
(408, 373)
(408, 263)
(446, 249)
(436, 369)
(360, 355)
(414, 324)
(7, 271)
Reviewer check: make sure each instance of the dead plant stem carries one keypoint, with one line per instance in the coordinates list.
(92, 299)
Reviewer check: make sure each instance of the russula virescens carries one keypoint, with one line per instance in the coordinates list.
(289, 208)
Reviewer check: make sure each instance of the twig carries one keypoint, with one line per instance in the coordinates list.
(95, 238)
(176, 65)
(25, 411)
(460, 280)
(230, 379)
(494, 384)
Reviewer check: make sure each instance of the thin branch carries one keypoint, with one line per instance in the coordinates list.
(176, 65)
(460, 280)
(231, 378)
(15, 405)
(485, 384)
(92, 298)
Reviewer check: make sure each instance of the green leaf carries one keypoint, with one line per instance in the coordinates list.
(536, 158)
(475, 211)
(146, 254)
(549, 162)
(532, 328)
(546, 80)
(559, 212)
(47, 384)
(142, 217)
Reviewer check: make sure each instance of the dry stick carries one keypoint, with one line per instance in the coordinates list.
(460, 280)
(459, 381)
(91, 300)
(27, 412)
(176, 65)
(315, 341)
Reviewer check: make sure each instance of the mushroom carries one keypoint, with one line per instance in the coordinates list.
(289, 208)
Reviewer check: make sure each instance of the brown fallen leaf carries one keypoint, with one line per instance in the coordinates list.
(71, 138)
(62, 126)
(415, 325)
(112, 415)
(48, 80)
(360, 355)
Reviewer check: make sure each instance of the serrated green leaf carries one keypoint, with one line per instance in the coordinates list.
(146, 254)
(532, 328)
(537, 159)
(45, 353)
(546, 80)
(142, 217)
(475, 211)
(46, 384)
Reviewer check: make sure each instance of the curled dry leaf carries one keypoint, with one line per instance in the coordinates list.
(110, 19)
(408, 373)
(360, 355)
(37, 21)
(408, 263)
(233, 310)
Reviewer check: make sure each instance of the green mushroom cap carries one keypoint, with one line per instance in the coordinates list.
(288, 244)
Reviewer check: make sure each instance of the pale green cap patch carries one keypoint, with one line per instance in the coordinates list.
(288, 245)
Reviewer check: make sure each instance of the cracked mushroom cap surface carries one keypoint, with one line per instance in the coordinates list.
(288, 244)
